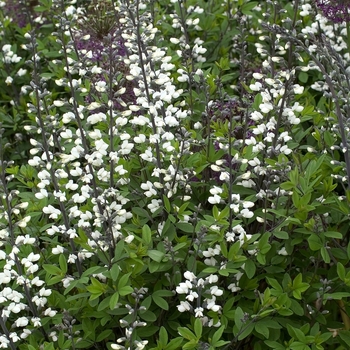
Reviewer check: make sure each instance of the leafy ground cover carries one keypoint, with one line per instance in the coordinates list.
(175, 175)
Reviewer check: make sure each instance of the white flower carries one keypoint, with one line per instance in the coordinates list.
(212, 278)
(66, 281)
(148, 155)
(96, 117)
(23, 223)
(192, 295)
(25, 334)
(15, 307)
(298, 89)
(58, 250)
(96, 70)
(212, 251)
(148, 187)
(36, 321)
(100, 86)
(184, 287)
(172, 40)
(212, 306)
(67, 117)
(49, 312)
(266, 107)
(260, 129)
(198, 312)
(9, 80)
(256, 116)
(129, 239)
(141, 138)
(189, 276)
(214, 199)
(21, 322)
(154, 205)
(246, 213)
(282, 251)
(54, 213)
(233, 288)
(256, 86)
(214, 290)
(184, 306)
(21, 72)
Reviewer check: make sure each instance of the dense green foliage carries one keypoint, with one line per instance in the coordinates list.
(174, 175)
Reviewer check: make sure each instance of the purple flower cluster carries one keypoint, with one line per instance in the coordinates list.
(337, 11)
(19, 11)
(105, 48)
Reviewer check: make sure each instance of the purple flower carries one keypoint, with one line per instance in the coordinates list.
(99, 34)
(336, 11)
(19, 11)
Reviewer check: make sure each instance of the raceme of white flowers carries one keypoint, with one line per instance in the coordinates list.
(82, 161)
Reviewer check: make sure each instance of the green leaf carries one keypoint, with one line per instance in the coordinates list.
(228, 305)
(52, 269)
(163, 337)
(186, 333)
(49, 346)
(124, 280)
(281, 234)
(162, 303)
(166, 204)
(146, 234)
(113, 301)
(217, 336)
(296, 333)
(174, 344)
(274, 345)
(140, 212)
(296, 345)
(156, 255)
(336, 295)
(104, 335)
(261, 328)
(126, 290)
(303, 77)
(247, 7)
(119, 249)
(333, 234)
(345, 336)
(325, 255)
(93, 270)
(82, 344)
(239, 314)
(114, 271)
(250, 268)
(198, 328)
(299, 286)
(104, 304)
(185, 227)
(78, 296)
(246, 331)
(273, 283)
(54, 280)
(179, 246)
(163, 293)
(315, 242)
(63, 263)
(148, 316)
(341, 271)
(297, 308)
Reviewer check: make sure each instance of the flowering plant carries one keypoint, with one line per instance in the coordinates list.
(183, 179)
